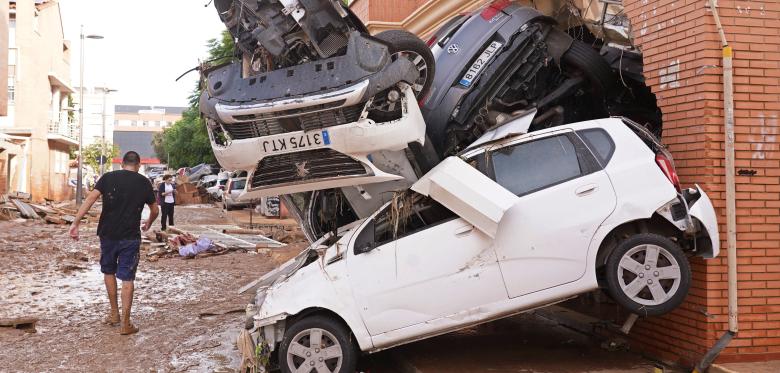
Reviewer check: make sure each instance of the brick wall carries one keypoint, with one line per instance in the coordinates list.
(682, 56)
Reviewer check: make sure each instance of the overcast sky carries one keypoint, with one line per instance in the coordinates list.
(148, 43)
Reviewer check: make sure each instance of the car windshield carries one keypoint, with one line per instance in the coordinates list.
(238, 184)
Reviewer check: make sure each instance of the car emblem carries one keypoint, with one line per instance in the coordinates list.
(453, 48)
(301, 170)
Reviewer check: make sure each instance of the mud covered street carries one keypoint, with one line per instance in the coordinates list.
(188, 311)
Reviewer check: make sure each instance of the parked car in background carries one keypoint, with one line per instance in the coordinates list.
(218, 187)
(233, 190)
(154, 172)
(517, 222)
(194, 174)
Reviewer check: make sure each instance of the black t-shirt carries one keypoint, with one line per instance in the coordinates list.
(124, 195)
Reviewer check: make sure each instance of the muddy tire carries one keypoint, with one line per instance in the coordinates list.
(648, 274)
(318, 341)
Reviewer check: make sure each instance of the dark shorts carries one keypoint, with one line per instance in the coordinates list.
(120, 257)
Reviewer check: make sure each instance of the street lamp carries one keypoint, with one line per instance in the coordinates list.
(80, 173)
(106, 91)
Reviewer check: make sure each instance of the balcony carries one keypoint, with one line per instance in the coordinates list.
(64, 132)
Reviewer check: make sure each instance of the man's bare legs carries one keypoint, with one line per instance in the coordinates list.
(127, 303)
(113, 316)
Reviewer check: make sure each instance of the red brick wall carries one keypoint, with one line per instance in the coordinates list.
(682, 56)
(385, 11)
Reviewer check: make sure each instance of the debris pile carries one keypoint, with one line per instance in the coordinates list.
(199, 242)
(188, 193)
(18, 205)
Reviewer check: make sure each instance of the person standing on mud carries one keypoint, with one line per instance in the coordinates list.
(124, 192)
(167, 193)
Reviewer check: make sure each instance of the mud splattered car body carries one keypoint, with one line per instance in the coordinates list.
(471, 243)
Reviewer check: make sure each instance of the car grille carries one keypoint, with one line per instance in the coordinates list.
(259, 125)
(297, 167)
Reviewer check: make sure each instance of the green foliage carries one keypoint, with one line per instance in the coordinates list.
(92, 154)
(186, 142)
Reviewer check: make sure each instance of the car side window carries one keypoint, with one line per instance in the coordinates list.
(600, 143)
(537, 164)
(393, 223)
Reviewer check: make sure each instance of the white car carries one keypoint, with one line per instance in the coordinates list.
(514, 224)
(317, 158)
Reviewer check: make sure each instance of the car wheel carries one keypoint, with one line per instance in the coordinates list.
(404, 44)
(317, 344)
(582, 57)
(648, 274)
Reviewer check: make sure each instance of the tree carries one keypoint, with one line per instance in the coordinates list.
(186, 142)
(158, 140)
(92, 154)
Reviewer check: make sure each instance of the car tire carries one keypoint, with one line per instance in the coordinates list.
(402, 41)
(333, 334)
(645, 286)
(584, 58)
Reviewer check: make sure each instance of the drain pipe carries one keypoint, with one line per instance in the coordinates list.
(731, 216)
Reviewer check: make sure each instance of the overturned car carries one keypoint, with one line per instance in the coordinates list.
(514, 223)
(313, 96)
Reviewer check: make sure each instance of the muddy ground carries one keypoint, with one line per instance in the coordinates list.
(46, 275)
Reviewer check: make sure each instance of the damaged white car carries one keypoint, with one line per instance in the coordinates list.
(517, 222)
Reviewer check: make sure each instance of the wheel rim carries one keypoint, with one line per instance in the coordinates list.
(419, 63)
(314, 350)
(649, 275)
(381, 103)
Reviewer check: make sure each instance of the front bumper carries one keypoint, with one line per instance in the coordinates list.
(341, 159)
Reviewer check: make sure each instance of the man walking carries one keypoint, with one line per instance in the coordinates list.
(124, 192)
(167, 192)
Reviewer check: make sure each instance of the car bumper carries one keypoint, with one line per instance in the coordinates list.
(342, 159)
(704, 212)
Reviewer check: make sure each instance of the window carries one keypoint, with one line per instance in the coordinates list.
(599, 143)
(391, 224)
(537, 164)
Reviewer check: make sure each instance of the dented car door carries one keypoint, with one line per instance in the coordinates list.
(564, 196)
(442, 265)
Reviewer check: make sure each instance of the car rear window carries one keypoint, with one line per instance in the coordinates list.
(537, 164)
(238, 184)
(599, 143)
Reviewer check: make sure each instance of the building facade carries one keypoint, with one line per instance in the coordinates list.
(683, 66)
(135, 127)
(38, 87)
(98, 113)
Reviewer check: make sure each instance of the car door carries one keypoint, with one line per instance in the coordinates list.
(564, 196)
(443, 265)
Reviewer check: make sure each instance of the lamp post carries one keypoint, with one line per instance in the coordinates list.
(106, 91)
(79, 172)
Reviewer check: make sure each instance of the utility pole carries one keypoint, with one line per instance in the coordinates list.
(106, 91)
(80, 172)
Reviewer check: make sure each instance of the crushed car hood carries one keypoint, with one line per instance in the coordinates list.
(467, 192)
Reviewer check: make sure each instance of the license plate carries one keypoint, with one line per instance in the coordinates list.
(479, 64)
(287, 143)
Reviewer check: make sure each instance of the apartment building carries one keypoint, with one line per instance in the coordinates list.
(98, 113)
(38, 86)
(682, 64)
(135, 126)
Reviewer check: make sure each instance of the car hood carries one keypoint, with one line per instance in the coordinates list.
(316, 250)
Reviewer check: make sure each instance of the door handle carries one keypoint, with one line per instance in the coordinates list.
(586, 189)
(464, 230)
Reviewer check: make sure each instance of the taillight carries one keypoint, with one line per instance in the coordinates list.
(493, 9)
(667, 167)
(431, 41)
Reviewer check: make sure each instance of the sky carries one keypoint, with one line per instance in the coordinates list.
(147, 45)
